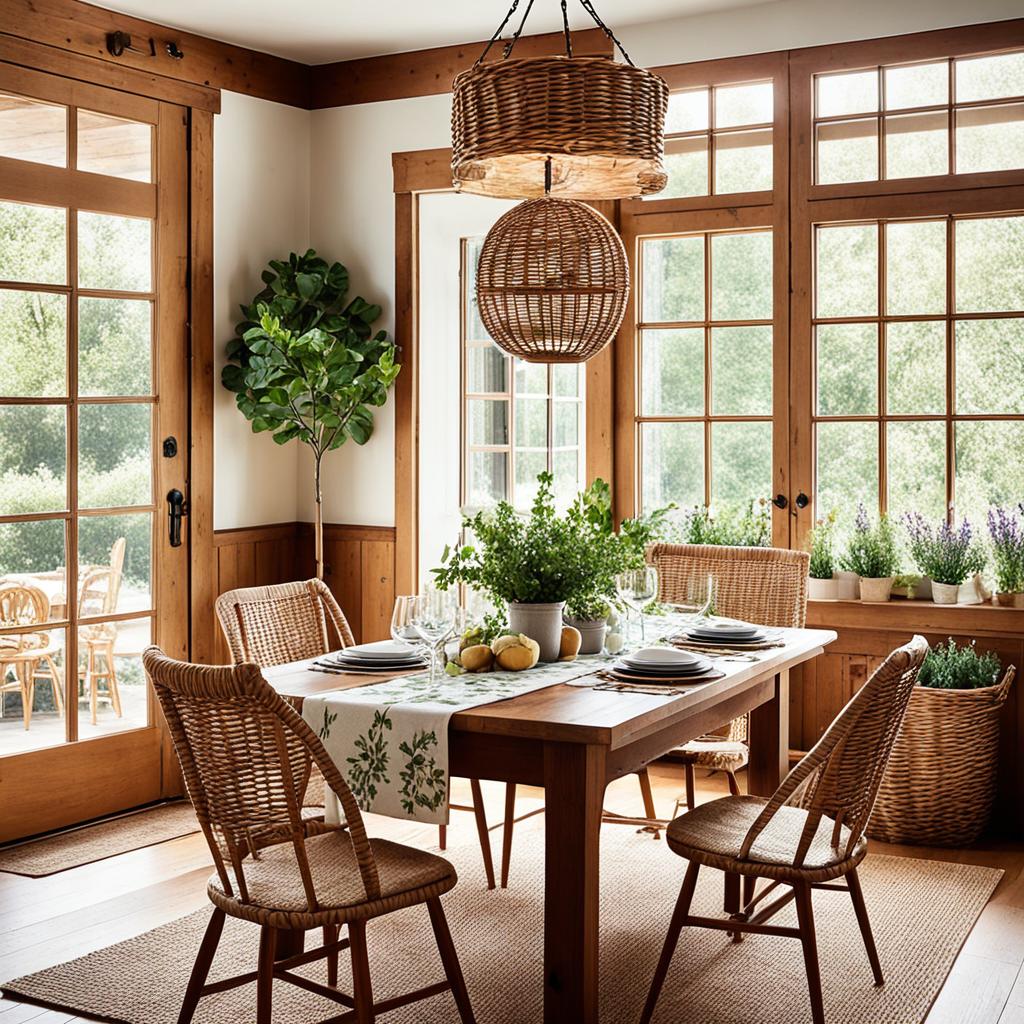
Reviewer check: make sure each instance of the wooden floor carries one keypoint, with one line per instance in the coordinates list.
(45, 921)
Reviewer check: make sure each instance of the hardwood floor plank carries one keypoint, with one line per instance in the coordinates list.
(974, 993)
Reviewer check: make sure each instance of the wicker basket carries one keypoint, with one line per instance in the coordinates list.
(941, 780)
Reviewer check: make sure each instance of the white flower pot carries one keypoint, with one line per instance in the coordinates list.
(822, 590)
(591, 633)
(540, 622)
(847, 586)
(875, 590)
(945, 593)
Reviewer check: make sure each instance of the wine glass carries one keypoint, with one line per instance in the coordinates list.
(694, 605)
(434, 614)
(402, 629)
(637, 588)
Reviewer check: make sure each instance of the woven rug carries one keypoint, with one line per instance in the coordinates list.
(97, 842)
(922, 911)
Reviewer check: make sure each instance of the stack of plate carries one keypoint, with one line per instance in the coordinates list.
(727, 632)
(382, 656)
(660, 665)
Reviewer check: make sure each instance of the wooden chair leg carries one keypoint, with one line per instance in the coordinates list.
(57, 683)
(674, 928)
(331, 936)
(265, 975)
(442, 836)
(450, 959)
(731, 900)
(362, 990)
(857, 895)
(201, 968)
(749, 888)
(115, 694)
(506, 833)
(92, 682)
(805, 916)
(648, 796)
(691, 799)
(481, 830)
(26, 694)
(734, 786)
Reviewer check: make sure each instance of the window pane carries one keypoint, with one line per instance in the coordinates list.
(114, 252)
(35, 548)
(847, 369)
(989, 271)
(475, 330)
(686, 163)
(990, 138)
(531, 423)
(847, 270)
(743, 162)
(531, 378)
(741, 462)
(687, 111)
(565, 379)
(741, 371)
(528, 466)
(32, 130)
(33, 243)
(989, 78)
(673, 372)
(847, 469)
(916, 363)
(737, 105)
(847, 151)
(917, 85)
(33, 461)
(111, 145)
(110, 660)
(114, 455)
(673, 279)
(33, 333)
(917, 145)
(567, 476)
(124, 545)
(485, 478)
(915, 267)
(989, 466)
(847, 93)
(47, 720)
(990, 366)
(488, 422)
(917, 468)
(114, 347)
(741, 276)
(567, 423)
(486, 370)
(672, 464)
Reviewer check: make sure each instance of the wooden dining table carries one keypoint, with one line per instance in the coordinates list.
(573, 741)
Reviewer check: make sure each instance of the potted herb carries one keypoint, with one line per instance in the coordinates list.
(1007, 538)
(940, 782)
(946, 554)
(821, 583)
(871, 554)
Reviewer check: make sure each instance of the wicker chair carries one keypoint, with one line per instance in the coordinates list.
(809, 833)
(98, 595)
(246, 756)
(767, 586)
(31, 656)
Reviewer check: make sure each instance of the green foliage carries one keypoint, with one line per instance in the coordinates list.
(946, 553)
(871, 551)
(949, 667)
(823, 556)
(423, 783)
(494, 624)
(748, 526)
(369, 765)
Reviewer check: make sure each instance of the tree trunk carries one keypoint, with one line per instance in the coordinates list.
(318, 522)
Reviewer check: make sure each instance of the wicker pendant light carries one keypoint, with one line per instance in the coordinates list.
(600, 123)
(552, 281)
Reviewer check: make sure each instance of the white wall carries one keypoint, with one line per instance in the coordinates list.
(260, 212)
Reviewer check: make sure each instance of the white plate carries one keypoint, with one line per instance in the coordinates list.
(676, 671)
(726, 628)
(661, 657)
(387, 650)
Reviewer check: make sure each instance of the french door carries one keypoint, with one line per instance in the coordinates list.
(93, 438)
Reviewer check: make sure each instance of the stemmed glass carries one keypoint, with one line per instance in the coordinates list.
(434, 615)
(402, 629)
(696, 605)
(637, 588)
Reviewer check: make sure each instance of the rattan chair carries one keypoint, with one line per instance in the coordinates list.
(808, 834)
(246, 755)
(767, 586)
(31, 656)
(98, 595)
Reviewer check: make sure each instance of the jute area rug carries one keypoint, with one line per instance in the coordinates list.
(96, 842)
(922, 912)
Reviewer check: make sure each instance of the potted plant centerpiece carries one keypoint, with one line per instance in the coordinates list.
(821, 583)
(871, 554)
(948, 555)
(1007, 538)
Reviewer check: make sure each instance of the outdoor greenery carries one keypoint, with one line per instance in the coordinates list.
(947, 554)
(823, 557)
(748, 525)
(871, 551)
(950, 667)
(1006, 533)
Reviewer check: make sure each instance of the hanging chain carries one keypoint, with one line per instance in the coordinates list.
(498, 31)
(588, 6)
(565, 30)
(518, 32)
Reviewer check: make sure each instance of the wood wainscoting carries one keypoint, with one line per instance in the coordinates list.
(359, 569)
(819, 689)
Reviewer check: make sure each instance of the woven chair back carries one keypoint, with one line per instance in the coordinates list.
(840, 776)
(22, 605)
(282, 623)
(246, 756)
(767, 586)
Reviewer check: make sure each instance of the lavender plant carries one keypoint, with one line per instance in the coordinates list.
(1007, 538)
(947, 553)
(871, 550)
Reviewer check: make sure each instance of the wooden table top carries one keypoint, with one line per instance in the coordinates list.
(578, 714)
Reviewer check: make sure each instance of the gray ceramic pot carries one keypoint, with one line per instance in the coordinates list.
(591, 633)
(540, 622)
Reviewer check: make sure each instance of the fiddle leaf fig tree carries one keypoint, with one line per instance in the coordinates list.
(304, 364)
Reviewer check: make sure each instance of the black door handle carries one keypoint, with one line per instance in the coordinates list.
(780, 501)
(802, 501)
(176, 508)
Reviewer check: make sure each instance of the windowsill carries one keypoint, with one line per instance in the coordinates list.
(926, 616)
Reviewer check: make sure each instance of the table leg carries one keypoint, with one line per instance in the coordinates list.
(574, 783)
(769, 740)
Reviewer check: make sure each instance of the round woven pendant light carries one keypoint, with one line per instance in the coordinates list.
(601, 123)
(552, 281)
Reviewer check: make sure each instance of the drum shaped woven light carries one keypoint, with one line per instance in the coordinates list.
(601, 122)
(552, 281)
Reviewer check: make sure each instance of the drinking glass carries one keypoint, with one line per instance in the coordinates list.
(434, 616)
(402, 629)
(638, 587)
(695, 605)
